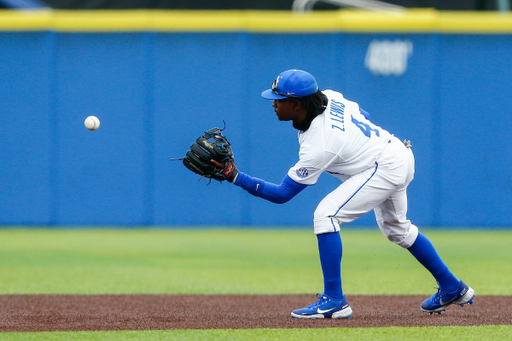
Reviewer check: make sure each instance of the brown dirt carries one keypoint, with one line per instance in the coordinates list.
(144, 312)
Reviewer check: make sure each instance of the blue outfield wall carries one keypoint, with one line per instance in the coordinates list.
(155, 92)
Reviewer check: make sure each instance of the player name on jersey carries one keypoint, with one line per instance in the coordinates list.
(338, 115)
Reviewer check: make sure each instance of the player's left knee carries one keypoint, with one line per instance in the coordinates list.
(325, 225)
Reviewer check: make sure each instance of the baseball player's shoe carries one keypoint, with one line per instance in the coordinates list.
(325, 307)
(442, 299)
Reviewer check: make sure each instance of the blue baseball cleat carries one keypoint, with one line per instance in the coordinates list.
(442, 299)
(325, 307)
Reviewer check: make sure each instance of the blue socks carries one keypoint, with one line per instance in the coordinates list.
(426, 254)
(330, 249)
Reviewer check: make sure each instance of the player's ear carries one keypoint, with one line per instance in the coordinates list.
(296, 104)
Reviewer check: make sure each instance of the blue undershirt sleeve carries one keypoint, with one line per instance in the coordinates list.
(278, 194)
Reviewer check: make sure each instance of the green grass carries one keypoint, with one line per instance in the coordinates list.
(244, 261)
(478, 333)
(237, 261)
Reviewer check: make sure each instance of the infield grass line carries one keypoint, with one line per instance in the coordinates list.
(476, 333)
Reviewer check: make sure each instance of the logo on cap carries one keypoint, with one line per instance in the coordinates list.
(292, 83)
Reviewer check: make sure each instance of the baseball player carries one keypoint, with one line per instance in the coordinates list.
(337, 137)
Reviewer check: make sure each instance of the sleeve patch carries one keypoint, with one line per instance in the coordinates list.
(302, 173)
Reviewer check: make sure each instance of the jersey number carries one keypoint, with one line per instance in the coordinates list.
(365, 128)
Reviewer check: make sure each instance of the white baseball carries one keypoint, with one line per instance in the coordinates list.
(92, 123)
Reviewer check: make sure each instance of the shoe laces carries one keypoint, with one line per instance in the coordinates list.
(437, 296)
(440, 292)
(321, 299)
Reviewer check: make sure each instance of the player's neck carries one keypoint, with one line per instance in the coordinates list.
(303, 122)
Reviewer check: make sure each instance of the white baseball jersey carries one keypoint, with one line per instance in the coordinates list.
(340, 141)
(374, 166)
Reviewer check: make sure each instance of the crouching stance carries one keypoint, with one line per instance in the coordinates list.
(337, 137)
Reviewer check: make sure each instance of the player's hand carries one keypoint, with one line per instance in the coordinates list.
(227, 168)
(219, 166)
(211, 145)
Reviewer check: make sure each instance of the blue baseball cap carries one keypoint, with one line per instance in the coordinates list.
(292, 84)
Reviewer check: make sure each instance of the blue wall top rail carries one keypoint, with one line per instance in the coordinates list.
(346, 20)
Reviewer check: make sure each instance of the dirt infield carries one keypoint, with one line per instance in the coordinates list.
(145, 312)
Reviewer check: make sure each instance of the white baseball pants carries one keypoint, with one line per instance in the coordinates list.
(382, 188)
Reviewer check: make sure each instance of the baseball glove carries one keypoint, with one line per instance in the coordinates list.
(212, 145)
